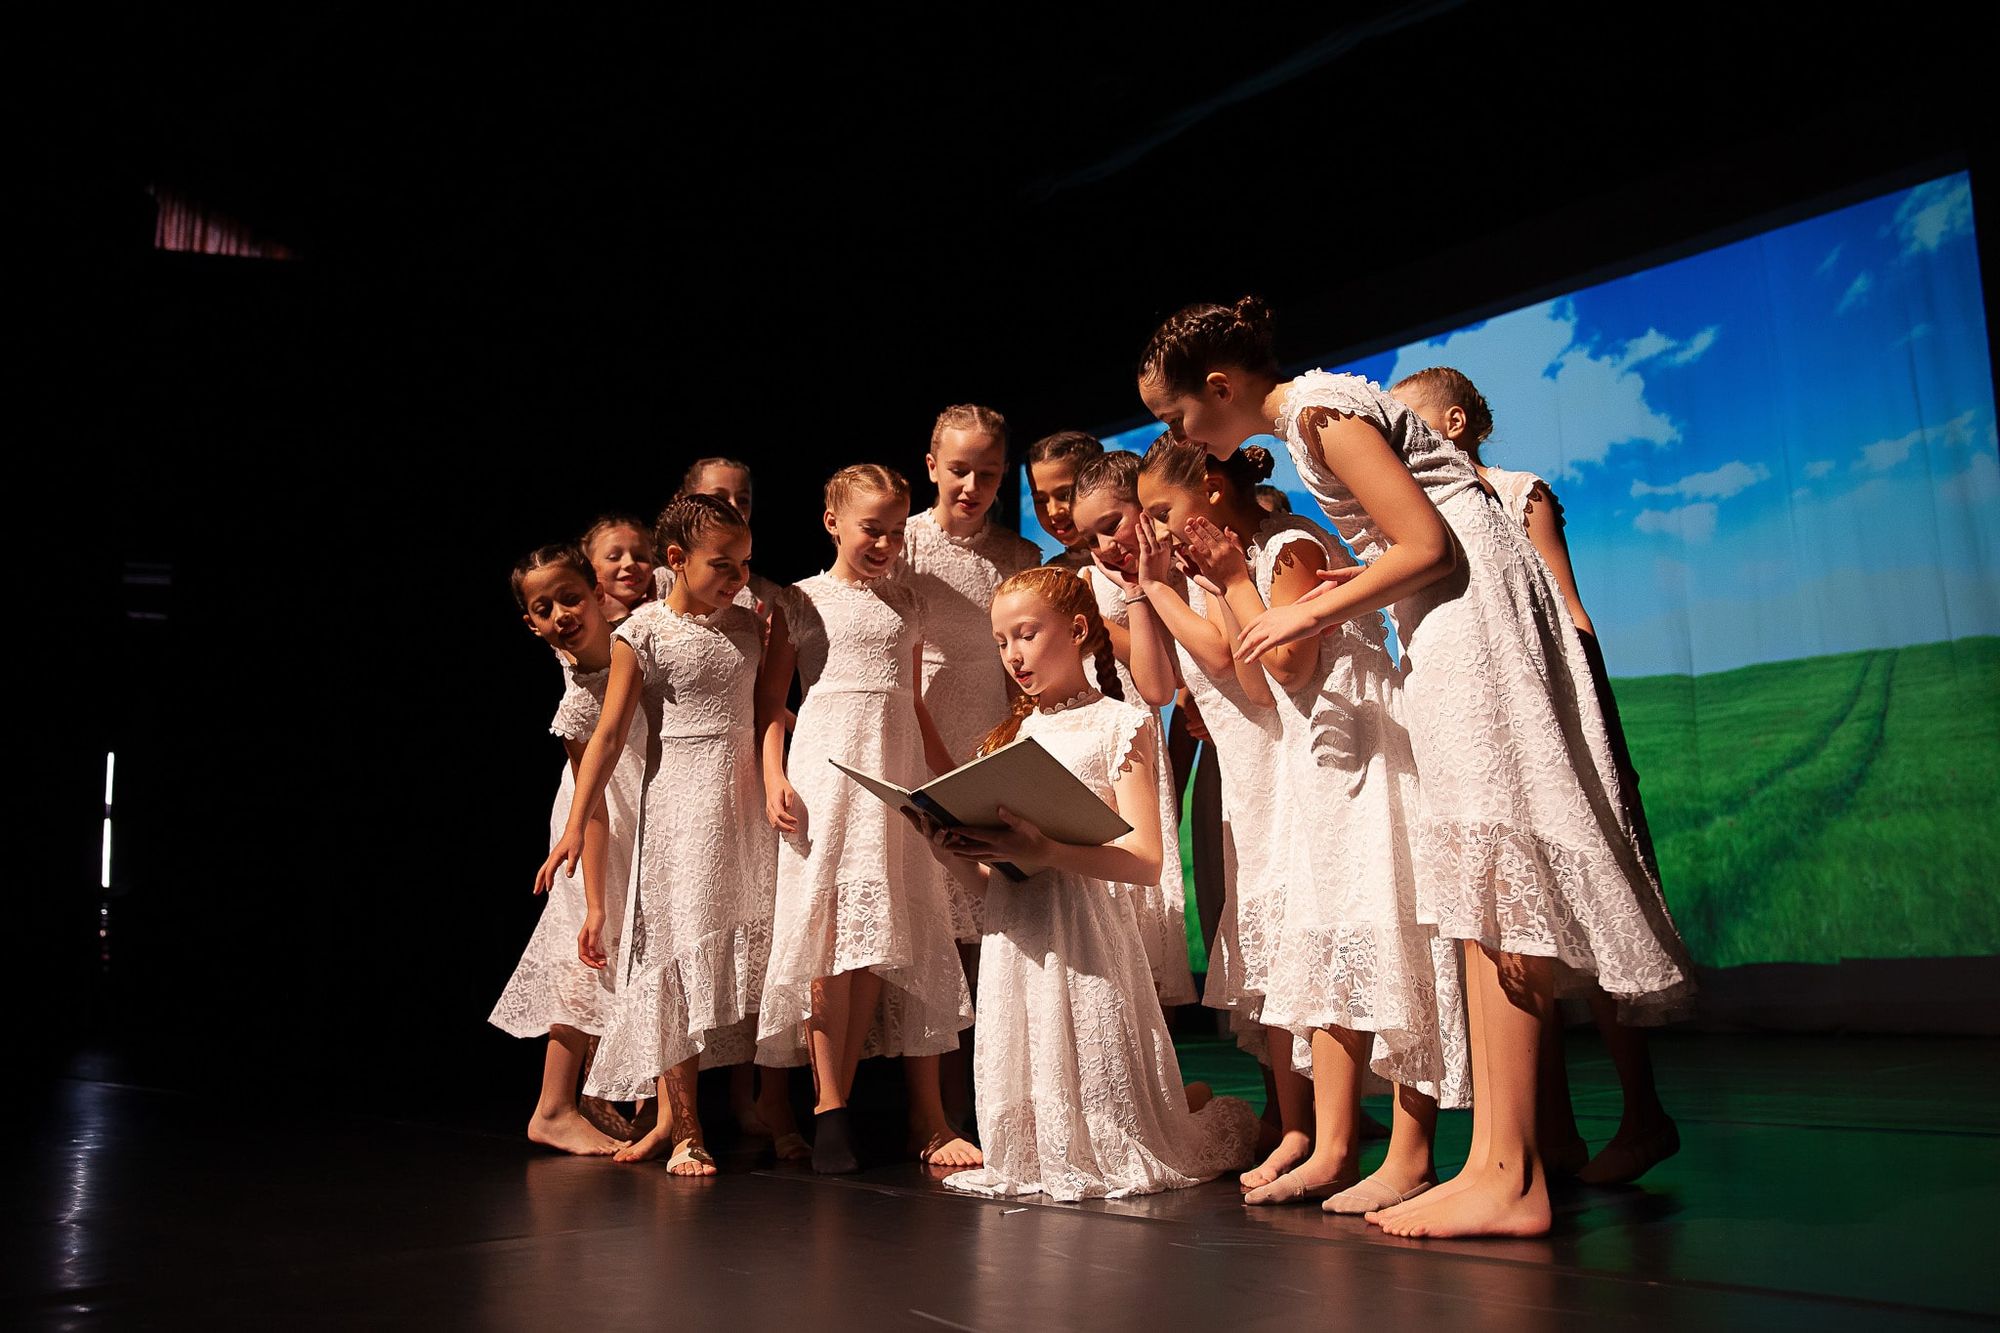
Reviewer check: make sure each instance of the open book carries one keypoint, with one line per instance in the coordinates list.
(1020, 775)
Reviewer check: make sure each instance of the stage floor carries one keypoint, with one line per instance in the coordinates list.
(1824, 1183)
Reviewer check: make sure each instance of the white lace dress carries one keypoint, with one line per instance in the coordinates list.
(1249, 751)
(856, 885)
(1078, 1087)
(1162, 907)
(757, 594)
(551, 985)
(1351, 952)
(965, 687)
(1521, 841)
(707, 858)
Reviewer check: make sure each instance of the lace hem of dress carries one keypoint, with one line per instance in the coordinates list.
(672, 1008)
(1510, 891)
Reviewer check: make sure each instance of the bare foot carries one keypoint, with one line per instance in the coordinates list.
(1313, 1179)
(656, 1141)
(1293, 1147)
(944, 1147)
(606, 1117)
(690, 1159)
(1631, 1153)
(1199, 1095)
(571, 1133)
(1496, 1202)
(791, 1147)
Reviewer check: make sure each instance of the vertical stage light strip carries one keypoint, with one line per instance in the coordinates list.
(104, 871)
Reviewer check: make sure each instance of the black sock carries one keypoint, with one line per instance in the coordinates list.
(833, 1147)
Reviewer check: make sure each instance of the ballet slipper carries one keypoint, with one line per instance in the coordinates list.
(1622, 1163)
(791, 1147)
(1370, 1196)
(689, 1153)
(1288, 1188)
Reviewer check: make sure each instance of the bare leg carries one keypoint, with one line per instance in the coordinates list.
(863, 997)
(556, 1123)
(938, 1142)
(955, 1068)
(1563, 1147)
(1646, 1134)
(1334, 1100)
(1475, 1013)
(1410, 1167)
(1292, 1094)
(826, 1035)
(679, 1125)
(1505, 1191)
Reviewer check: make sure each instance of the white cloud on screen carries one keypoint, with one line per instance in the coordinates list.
(1818, 468)
(1731, 478)
(1832, 258)
(1558, 404)
(1885, 454)
(1978, 484)
(1919, 331)
(1693, 523)
(1934, 213)
(1856, 293)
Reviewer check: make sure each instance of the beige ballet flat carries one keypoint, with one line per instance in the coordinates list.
(1369, 1196)
(1288, 1188)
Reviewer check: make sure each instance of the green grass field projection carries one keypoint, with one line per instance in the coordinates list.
(1829, 807)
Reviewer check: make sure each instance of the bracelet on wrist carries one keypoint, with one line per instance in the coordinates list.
(1137, 597)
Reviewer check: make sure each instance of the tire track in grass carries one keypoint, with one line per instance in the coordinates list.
(1780, 816)
(1809, 745)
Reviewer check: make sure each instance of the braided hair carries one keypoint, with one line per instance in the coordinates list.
(1199, 338)
(1444, 387)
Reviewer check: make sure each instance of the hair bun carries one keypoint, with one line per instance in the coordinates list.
(1262, 464)
(1252, 311)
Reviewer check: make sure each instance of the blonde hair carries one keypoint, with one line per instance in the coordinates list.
(969, 417)
(859, 478)
(1068, 596)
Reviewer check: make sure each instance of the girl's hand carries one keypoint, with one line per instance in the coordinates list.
(1216, 553)
(1125, 583)
(590, 940)
(1329, 579)
(1275, 628)
(567, 852)
(1017, 840)
(1154, 558)
(781, 806)
(932, 832)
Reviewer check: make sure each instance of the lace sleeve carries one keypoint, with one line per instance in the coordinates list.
(1541, 493)
(641, 632)
(1318, 397)
(576, 715)
(1121, 741)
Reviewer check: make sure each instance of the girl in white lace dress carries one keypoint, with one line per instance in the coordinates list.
(1247, 733)
(956, 557)
(728, 481)
(1053, 464)
(1521, 846)
(702, 929)
(560, 990)
(1452, 405)
(1080, 1094)
(862, 958)
(620, 549)
(1349, 979)
(1105, 508)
